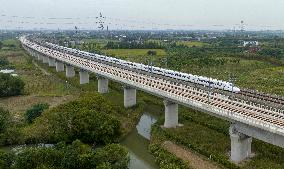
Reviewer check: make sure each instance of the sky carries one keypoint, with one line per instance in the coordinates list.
(142, 14)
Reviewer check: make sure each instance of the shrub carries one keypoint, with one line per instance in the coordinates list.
(5, 119)
(3, 62)
(35, 111)
(10, 86)
(89, 119)
(165, 159)
(74, 156)
(6, 160)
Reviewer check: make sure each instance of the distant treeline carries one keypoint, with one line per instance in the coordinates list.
(134, 45)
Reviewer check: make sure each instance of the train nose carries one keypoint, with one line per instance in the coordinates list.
(236, 90)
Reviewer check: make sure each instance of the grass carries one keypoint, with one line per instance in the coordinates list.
(102, 42)
(11, 42)
(136, 55)
(54, 88)
(115, 96)
(192, 43)
(39, 87)
(209, 136)
(252, 74)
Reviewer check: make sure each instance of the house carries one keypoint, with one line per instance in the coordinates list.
(250, 43)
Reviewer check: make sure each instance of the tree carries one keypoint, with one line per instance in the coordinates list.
(5, 119)
(74, 156)
(89, 119)
(35, 111)
(3, 62)
(10, 86)
(1, 45)
(152, 53)
(6, 160)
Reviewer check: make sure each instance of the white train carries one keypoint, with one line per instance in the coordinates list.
(214, 83)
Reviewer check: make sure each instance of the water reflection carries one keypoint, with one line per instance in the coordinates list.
(144, 125)
(137, 143)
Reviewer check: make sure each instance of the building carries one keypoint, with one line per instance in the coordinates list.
(250, 43)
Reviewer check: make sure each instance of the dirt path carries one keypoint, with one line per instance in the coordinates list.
(195, 161)
(19, 104)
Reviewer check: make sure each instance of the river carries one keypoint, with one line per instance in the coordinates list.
(137, 143)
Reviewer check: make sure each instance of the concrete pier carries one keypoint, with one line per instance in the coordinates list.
(39, 57)
(51, 61)
(84, 77)
(171, 114)
(33, 53)
(102, 84)
(59, 66)
(240, 145)
(70, 72)
(44, 59)
(129, 96)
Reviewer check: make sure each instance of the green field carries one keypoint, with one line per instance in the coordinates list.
(192, 43)
(137, 55)
(253, 74)
(102, 42)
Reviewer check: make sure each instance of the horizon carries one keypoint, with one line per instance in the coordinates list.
(142, 15)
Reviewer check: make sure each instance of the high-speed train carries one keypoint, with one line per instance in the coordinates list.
(214, 83)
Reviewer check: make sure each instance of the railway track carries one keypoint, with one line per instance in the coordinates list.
(254, 96)
(180, 90)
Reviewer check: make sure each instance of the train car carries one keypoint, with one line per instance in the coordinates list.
(214, 83)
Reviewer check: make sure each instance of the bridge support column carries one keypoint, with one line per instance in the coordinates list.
(44, 59)
(59, 66)
(51, 61)
(129, 96)
(171, 114)
(240, 145)
(84, 77)
(39, 57)
(102, 84)
(70, 72)
(33, 53)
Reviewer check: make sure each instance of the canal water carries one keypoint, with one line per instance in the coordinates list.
(137, 143)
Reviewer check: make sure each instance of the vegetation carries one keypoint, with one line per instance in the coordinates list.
(216, 60)
(9, 130)
(5, 119)
(35, 111)
(3, 63)
(91, 47)
(62, 156)
(133, 45)
(165, 160)
(209, 136)
(90, 119)
(6, 160)
(10, 85)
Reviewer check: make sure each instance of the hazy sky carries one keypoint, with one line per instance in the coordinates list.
(143, 14)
